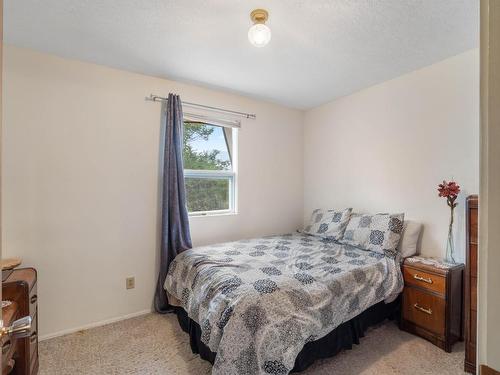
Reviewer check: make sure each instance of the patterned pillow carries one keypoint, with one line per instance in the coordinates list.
(328, 223)
(379, 233)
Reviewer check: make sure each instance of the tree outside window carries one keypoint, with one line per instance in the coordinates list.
(208, 167)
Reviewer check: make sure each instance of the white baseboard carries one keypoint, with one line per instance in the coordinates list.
(93, 325)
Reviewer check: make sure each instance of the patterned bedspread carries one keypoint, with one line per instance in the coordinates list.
(259, 301)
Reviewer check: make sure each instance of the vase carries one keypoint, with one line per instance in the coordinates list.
(450, 245)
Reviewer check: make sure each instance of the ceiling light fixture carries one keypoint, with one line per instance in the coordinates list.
(259, 34)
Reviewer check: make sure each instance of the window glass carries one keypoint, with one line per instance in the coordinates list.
(207, 194)
(206, 147)
(209, 168)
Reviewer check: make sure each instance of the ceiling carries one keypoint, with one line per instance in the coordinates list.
(320, 49)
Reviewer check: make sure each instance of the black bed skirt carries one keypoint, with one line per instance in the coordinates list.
(341, 338)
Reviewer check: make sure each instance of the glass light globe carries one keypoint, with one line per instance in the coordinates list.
(259, 35)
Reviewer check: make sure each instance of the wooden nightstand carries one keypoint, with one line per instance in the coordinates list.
(432, 301)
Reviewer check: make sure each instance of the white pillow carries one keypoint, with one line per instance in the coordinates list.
(409, 238)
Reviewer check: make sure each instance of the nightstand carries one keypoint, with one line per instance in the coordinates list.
(432, 301)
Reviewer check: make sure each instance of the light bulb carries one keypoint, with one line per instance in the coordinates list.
(259, 35)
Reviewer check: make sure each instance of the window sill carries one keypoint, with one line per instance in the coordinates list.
(209, 214)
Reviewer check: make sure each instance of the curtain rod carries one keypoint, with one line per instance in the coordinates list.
(156, 98)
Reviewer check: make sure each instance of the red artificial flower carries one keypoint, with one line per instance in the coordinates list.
(448, 189)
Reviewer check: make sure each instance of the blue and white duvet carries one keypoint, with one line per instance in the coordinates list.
(259, 301)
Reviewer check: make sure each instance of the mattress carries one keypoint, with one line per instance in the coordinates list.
(259, 301)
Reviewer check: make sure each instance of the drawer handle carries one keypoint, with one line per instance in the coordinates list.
(33, 298)
(423, 309)
(420, 278)
(33, 336)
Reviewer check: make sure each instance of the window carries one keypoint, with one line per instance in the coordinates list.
(209, 168)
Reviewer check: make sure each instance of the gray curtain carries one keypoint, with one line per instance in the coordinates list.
(175, 236)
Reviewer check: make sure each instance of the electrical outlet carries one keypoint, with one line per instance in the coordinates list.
(130, 282)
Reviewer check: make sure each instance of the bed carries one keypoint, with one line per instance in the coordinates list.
(272, 305)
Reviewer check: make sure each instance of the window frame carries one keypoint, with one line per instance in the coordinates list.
(230, 175)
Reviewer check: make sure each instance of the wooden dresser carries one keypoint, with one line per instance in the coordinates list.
(20, 287)
(9, 344)
(432, 301)
(470, 296)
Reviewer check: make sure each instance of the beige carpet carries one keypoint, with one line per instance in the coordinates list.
(154, 344)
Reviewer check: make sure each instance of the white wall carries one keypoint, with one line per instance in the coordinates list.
(80, 170)
(80, 181)
(385, 149)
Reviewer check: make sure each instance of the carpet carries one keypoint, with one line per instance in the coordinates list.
(154, 344)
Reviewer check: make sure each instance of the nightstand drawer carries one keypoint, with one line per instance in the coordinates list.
(424, 309)
(424, 280)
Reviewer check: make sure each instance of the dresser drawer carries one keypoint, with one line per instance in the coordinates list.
(424, 309)
(8, 348)
(8, 343)
(424, 280)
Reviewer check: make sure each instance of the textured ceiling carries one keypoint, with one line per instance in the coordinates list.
(320, 49)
